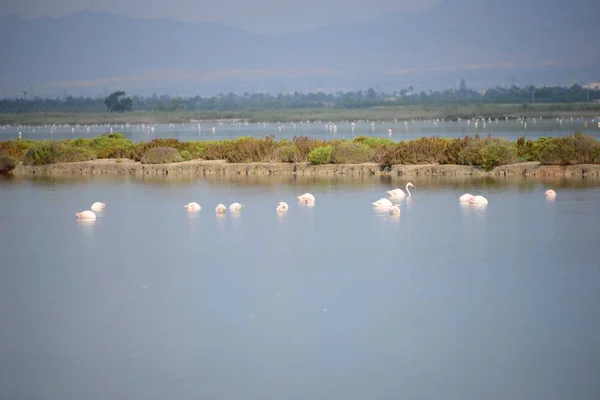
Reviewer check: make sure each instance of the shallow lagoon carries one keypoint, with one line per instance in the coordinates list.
(509, 129)
(334, 301)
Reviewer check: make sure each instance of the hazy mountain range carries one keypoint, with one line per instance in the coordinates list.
(489, 42)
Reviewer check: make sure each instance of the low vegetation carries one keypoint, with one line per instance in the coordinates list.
(485, 152)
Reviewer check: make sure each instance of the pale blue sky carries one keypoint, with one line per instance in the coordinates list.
(254, 15)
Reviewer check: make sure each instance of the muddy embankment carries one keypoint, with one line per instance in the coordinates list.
(210, 168)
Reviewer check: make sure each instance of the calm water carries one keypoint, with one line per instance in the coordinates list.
(336, 301)
(510, 129)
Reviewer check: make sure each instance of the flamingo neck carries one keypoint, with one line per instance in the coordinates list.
(408, 191)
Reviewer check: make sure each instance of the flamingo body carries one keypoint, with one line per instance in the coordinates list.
(479, 200)
(282, 206)
(550, 193)
(465, 198)
(306, 198)
(86, 215)
(395, 209)
(193, 206)
(221, 208)
(236, 207)
(383, 202)
(399, 193)
(98, 206)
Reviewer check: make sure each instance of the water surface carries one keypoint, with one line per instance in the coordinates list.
(335, 301)
(532, 128)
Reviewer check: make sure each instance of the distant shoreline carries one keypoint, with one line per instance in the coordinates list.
(199, 168)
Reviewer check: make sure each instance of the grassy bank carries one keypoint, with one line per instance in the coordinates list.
(302, 114)
(485, 152)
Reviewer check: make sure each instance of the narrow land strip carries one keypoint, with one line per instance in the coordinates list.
(126, 167)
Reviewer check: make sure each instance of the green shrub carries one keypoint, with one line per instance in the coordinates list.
(453, 150)
(374, 142)
(74, 154)
(305, 145)
(197, 149)
(380, 146)
(16, 148)
(248, 149)
(42, 153)
(139, 149)
(396, 154)
(486, 152)
(426, 150)
(321, 155)
(497, 152)
(161, 155)
(525, 149)
(351, 153)
(185, 155)
(558, 151)
(471, 153)
(114, 152)
(286, 154)
(108, 140)
(585, 147)
(7, 163)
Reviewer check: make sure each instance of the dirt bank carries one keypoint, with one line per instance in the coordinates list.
(202, 168)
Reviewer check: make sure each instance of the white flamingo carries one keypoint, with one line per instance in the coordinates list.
(479, 200)
(395, 209)
(306, 198)
(193, 206)
(236, 207)
(98, 206)
(282, 206)
(465, 198)
(383, 202)
(221, 209)
(86, 215)
(550, 193)
(398, 193)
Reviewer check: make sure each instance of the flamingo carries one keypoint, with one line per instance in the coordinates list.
(550, 193)
(383, 202)
(398, 193)
(479, 200)
(193, 206)
(282, 206)
(465, 198)
(86, 215)
(221, 209)
(306, 198)
(98, 206)
(236, 207)
(395, 209)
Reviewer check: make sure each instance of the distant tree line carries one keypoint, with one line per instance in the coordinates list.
(118, 102)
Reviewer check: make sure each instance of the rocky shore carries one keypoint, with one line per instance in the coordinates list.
(126, 167)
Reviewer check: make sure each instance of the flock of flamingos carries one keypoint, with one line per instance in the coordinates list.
(309, 199)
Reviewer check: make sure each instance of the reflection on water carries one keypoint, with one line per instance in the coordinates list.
(337, 300)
